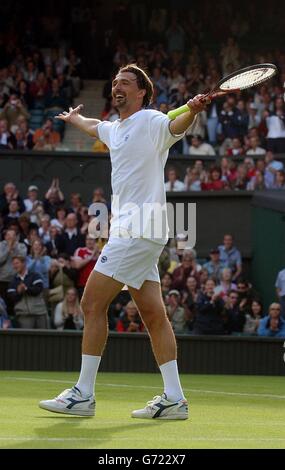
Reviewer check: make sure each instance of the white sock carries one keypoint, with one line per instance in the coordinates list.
(89, 369)
(172, 385)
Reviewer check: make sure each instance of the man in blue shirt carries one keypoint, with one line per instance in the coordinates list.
(280, 289)
(231, 256)
(272, 325)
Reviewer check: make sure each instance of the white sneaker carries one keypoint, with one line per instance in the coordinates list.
(161, 408)
(70, 402)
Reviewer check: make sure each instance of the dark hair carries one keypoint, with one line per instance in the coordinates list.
(143, 81)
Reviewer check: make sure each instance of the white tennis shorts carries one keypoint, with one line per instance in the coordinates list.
(130, 261)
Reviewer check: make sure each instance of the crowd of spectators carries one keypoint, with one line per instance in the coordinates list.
(241, 125)
(226, 174)
(35, 86)
(47, 254)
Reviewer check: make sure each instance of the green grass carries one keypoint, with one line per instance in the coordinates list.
(226, 412)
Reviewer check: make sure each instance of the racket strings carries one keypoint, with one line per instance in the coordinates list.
(248, 79)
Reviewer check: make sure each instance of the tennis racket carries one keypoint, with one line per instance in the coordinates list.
(240, 80)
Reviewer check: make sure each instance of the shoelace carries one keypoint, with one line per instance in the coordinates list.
(65, 392)
(155, 400)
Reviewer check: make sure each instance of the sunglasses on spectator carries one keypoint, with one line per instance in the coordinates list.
(275, 308)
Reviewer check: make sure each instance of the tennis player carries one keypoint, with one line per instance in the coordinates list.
(139, 143)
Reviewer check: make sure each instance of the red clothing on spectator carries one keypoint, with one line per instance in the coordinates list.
(84, 272)
(124, 325)
(213, 185)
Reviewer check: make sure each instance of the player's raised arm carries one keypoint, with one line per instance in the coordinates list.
(84, 124)
(182, 122)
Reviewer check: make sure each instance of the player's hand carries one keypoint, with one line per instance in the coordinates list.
(198, 103)
(67, 116)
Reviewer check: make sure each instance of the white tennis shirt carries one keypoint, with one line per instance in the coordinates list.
(139, 147)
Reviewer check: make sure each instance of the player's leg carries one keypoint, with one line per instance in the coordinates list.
(172, 404)
(98, 294)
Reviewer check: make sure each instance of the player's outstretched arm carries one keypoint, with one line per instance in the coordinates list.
(76, 119)
(181, 123)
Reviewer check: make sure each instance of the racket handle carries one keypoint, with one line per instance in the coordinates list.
(176, 112)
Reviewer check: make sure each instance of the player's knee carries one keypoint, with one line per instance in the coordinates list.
(154, 319)
(92, 309)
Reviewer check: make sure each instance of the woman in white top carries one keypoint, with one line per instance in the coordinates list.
(68, 314)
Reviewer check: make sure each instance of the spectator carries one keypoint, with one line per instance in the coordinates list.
(279, 180)
(44, 230)
(13, 214)
(254, 148)
(39, 262)
(242, 118)
(5, 321)
(32, 201)
(215, 266)
(71, 238)
(229, 118)
(47, 135)
(188, 267)
(280, 290)
(130, 321)
(52, 244)
(62, 273)
(215, 182)
(166, 282)
(7, 139)
(225, 285)
(190, 294)
(235, 149)
(173, 183)
(75, 203)
(176, 312)
(25, 226)
(12, 110)
(209, 312)
(241, 180)
(256, 182)
(84, 260)
(254, 116)
(27, 133)
(84, 220)
(39, 89)
(9, 248)
(212, 121)
(253, 318)
(192, 180)
(68, 314)
(272, 166)
(198, 147)
(233, 313)
(10, 193)
(98, 196)
(54, 198)
(60, 218)
(250, 166)
(55, 99)
(273, 325)
(276, 127)
(25, 290)
(231, 256)
(246, 294)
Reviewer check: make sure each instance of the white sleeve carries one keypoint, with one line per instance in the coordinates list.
(104, 130)
(160, 133)
(58, 317)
